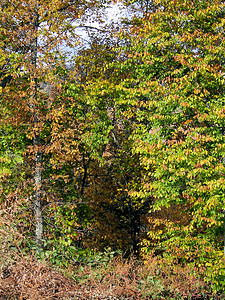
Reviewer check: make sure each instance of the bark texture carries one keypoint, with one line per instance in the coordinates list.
(36, 134)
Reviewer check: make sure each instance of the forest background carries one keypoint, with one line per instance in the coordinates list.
(118, 148)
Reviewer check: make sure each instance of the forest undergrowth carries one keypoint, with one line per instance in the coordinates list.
(27, 275)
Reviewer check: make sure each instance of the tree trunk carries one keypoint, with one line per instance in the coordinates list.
(134, 218)
(37, 196)
(224, 233)
(36, 134)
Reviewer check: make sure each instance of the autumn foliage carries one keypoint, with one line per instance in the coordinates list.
(119, 147)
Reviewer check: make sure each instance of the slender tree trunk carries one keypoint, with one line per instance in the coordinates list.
(36, 134)
(85, 166)
(134, 218)
(224, 233)
(38, 190)
(224, 213)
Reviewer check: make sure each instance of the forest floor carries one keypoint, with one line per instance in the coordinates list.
(26, 278)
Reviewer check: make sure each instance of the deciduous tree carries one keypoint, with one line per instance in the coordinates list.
(171, 87)
(36, 35)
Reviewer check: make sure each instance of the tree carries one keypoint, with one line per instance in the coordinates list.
(170, 85)
(35, 36)
(106, 137)
(70, 129)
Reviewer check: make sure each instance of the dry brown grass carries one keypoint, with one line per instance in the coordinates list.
(27, 278)
(116, 278)
(134, 280)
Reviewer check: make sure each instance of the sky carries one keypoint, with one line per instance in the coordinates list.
(111, 15)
